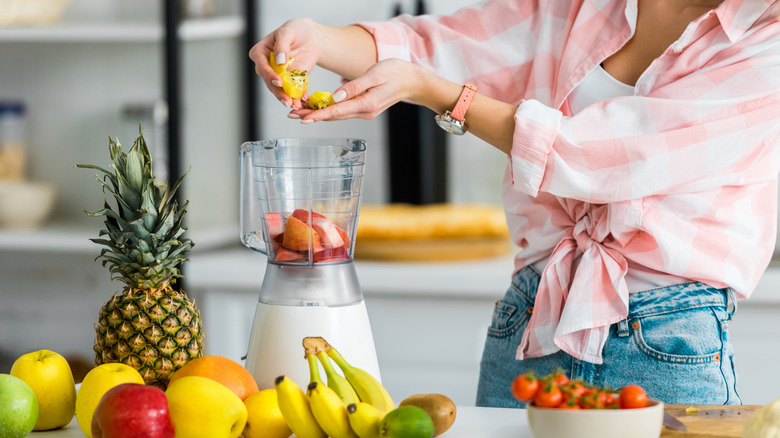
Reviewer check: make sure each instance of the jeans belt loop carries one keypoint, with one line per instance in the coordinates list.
(731, 302)
(622, 328)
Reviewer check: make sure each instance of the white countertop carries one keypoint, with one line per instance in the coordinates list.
(241, 269)
(470, 422)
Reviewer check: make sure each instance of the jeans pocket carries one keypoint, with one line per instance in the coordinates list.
(510, 315)
(686, 336)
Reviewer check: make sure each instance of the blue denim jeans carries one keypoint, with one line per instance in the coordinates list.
(674, 343)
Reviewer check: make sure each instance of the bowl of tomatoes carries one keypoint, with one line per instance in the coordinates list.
(559, 407)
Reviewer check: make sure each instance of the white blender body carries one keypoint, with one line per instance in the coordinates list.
(309, 288)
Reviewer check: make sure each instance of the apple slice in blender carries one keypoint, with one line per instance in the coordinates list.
(344, 236)
(331, 255)
(303, 215)
(274, 223)
(296, 235)
(285, 255)
(329, 234)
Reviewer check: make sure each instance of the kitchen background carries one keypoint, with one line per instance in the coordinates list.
(102, 68)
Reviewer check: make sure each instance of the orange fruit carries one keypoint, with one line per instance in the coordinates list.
(226, 371)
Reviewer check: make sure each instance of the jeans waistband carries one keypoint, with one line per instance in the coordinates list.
(647, 302)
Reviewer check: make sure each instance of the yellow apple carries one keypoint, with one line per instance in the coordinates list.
(96, 383)
(201, 407)
(264, 418)
(48, 375)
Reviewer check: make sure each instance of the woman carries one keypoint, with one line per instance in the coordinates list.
(642, 145)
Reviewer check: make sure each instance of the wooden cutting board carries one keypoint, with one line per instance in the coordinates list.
(711, 421)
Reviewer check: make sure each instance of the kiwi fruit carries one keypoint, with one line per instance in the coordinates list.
(439, 407)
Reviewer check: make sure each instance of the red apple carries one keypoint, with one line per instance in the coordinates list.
(133, 410)
(296, 235)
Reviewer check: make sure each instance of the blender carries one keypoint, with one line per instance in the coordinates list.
(300, 200)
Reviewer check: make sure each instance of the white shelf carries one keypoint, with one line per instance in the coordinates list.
(73, 238)
(124, 32)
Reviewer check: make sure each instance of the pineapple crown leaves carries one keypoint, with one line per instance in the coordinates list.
(143, 244)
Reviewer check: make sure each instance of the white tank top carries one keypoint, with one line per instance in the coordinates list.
(598, 86)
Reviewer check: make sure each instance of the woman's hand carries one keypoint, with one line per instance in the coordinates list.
(383, 85)
(297, 38)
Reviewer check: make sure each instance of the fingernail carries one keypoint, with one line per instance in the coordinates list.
(280, 58)
(276, 83)
(284, 102)
(339, 96)
(293, 116)
(306, 121)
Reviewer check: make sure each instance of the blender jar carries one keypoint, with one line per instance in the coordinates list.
(300, 198)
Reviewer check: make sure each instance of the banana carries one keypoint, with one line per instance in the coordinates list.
(366, 386)
(337, 382)
(365, 420)
(296, 410)
(329, 411)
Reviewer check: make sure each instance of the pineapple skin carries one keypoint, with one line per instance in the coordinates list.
(155, 331)
(149, 325)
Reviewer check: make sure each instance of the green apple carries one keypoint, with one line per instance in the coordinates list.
(48, 375)
(18, 407)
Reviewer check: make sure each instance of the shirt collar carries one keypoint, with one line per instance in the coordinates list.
(737, 16)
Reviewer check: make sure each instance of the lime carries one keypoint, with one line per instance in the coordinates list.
(407, 422)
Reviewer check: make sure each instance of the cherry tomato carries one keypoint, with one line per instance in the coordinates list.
(550, 396)
(633, 397)
(560, 378)
(570, 404)
(525, 387)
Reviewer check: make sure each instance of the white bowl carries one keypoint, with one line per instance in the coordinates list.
(24, 204)
(597, 423)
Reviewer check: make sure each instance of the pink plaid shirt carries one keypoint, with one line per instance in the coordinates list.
(678, 179)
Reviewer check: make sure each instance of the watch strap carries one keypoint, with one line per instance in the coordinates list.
(466, 96)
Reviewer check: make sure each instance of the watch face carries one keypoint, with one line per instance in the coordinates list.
(450, 125)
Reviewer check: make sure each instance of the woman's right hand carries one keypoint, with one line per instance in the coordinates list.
(297, 38)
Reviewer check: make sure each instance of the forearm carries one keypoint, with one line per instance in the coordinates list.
(347, 51)
(489, 119)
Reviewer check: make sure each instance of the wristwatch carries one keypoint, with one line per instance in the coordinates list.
(454, 121)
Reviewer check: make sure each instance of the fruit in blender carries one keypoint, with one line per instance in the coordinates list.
(132, 410)
(49, 376)
(149, 325)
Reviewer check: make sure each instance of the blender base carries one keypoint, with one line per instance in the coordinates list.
(275, 344)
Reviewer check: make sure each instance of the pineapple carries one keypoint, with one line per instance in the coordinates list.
(148, 325)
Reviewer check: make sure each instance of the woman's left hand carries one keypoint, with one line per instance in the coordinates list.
(382, 86)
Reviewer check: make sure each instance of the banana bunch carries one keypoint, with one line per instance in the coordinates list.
(322, 411)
